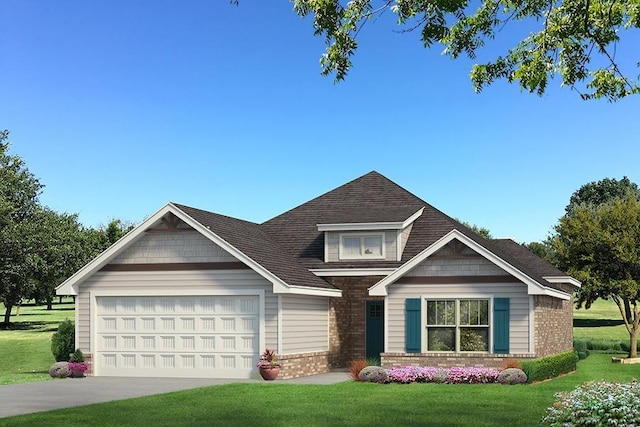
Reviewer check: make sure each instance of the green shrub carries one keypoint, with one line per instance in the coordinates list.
(596, 404)
(550, 366)
(64, 341)
(77, 356)
(580, 346)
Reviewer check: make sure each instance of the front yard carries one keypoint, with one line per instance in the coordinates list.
(26, 356)
(345, 404)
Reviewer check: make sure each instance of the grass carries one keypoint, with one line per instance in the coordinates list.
(25, 348)
(26, 356)
(602, 322)
(346, 404)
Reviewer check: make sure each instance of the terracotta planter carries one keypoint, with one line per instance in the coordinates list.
(270, 374)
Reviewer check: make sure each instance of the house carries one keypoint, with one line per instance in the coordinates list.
(365, 270)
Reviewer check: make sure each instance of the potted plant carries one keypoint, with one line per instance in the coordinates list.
(269, 365)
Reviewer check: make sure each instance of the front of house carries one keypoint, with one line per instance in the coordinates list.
(365, 270)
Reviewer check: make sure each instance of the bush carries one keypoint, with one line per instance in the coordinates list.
(63, 342)
(77, 356)
(512, 376)
(596, 404)
(60, 370)
(355, 367)
(580, 347)
(550, 366)
(373, 374)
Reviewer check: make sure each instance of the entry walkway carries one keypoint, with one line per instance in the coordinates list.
(19, 399)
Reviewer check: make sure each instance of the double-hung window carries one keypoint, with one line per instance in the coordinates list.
(458, 325)
(355, 246)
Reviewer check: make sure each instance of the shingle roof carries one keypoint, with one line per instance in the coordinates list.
(253, 241)
(290, 244)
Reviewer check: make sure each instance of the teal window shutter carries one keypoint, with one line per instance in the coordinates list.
(501, 325)
(412, 325)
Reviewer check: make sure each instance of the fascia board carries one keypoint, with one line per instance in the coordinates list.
(342, 272)
(563, 279)
(363, 226)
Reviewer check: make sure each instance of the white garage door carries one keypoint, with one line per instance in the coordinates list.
(194, 336)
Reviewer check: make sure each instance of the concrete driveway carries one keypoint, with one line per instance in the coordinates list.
(27, 398)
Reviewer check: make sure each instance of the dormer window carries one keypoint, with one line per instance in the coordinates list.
(362, 246)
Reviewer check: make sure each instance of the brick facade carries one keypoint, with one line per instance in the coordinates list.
(302, 365)
(347, 319)
(553, 327)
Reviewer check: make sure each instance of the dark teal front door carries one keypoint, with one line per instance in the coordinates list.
(374, 329)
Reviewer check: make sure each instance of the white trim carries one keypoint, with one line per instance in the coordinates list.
(533, 287)
(70, 286)
(364, 226)
(563, 279)
(76, 304)
(279, 326)
(398, 245)
(318, 292)
(326, 246)
(532, 331)
(362, 237)
(325, 272)
(386, 326)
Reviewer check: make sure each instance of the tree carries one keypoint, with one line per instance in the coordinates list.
(576, 39)
(599, 192)
(19, 191)
(600, 245)
(62, 248)
(484, 232)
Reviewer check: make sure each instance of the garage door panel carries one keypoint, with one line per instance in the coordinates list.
(208, 336)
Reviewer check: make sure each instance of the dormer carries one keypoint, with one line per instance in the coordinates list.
(368, 234)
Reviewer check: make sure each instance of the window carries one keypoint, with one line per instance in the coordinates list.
(361, 246)
(458, 325)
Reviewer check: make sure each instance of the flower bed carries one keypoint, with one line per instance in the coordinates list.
(456, 375)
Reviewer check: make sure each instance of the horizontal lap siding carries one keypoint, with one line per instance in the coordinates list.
(305, 324)
(209, 282)
(518, 315)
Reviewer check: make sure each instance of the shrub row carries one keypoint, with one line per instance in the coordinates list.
(550, 366)
(609, 346)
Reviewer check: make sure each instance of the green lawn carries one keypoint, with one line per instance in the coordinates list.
(26, 356)
(345, 404)
(601, 322)
(25, 349)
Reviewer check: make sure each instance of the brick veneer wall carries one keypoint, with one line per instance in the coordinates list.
(553, 328)
(448, 360)
(88, 357)
(347, 319)
(301, 365)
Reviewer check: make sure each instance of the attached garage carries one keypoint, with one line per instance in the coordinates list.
(169, 336)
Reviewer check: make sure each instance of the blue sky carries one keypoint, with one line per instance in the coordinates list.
(119, 107)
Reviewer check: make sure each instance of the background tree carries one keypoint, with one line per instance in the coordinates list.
(599, 192)
(484, 232)
(575, 39)
(19, 191)
(600, 245)
(62, 248)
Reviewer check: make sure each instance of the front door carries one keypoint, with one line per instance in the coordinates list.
(374, 329)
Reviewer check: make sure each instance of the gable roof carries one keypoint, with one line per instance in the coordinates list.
(297, 231)
(286, 249)
(242, 239)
